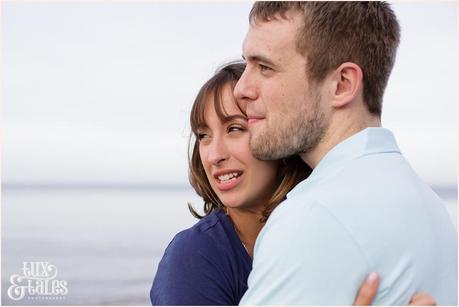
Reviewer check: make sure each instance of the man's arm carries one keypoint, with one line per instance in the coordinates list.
(305, 256)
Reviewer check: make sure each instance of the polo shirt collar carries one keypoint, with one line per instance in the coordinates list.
(368, 141)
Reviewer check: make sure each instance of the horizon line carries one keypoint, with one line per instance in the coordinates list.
(141, 186)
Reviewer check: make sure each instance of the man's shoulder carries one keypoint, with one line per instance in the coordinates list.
(363, 201)
(370, 206)
(368, 180)
(304, 217)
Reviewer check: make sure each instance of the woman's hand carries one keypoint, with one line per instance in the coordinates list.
(422, 299)
(369, 288)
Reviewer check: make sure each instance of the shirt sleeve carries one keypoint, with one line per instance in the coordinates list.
(190, 274)
(305, 256)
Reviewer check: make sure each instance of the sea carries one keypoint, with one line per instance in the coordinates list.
(103, 242)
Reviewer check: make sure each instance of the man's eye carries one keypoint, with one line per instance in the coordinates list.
(264, 68)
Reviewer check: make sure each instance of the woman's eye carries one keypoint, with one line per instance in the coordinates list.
(202, 136)
(235, 128)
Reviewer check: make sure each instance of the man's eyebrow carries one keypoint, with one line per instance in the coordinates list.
(259, 58)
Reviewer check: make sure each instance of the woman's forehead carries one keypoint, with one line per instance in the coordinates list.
(223, 104)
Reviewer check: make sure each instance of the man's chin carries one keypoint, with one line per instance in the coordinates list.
(261, 149)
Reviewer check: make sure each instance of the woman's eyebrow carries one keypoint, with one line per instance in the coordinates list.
(202, 127)
(233, 117)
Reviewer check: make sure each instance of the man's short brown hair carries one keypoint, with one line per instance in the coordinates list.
(365, 33)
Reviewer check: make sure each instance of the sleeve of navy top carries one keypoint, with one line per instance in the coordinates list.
(190, 273)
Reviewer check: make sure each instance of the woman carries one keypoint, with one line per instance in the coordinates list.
(209, 263)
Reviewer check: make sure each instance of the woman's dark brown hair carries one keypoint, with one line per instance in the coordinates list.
(290, 171)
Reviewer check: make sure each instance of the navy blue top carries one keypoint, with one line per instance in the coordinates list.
(203, 265)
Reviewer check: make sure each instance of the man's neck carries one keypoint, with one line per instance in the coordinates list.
(338, 131)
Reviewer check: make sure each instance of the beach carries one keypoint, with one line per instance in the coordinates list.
(105, 242)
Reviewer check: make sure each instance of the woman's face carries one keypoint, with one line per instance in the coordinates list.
(237, 177)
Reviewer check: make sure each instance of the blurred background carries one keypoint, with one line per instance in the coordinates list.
(95, 103)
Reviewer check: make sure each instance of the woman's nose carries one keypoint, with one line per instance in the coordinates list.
(218, 152)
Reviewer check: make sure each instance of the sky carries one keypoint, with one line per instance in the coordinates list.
(100, 92)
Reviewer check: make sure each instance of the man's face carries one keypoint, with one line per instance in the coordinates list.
(284, 112)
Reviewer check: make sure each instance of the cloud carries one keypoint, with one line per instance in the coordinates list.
(101, 92)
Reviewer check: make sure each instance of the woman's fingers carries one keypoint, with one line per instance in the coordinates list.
(422, 299)
(368, 290)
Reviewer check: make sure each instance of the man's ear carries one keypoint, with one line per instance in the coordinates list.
(347, 81)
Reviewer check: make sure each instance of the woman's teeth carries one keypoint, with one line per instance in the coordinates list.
(227, 177)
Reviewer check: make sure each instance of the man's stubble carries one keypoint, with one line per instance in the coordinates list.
(297, 133)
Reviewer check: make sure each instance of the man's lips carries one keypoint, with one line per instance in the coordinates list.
(254, 119)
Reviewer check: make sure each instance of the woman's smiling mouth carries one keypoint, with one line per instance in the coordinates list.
(227, 180)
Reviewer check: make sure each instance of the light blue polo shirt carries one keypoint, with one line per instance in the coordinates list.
(363, 209)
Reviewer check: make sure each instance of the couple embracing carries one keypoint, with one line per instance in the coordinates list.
(307, 199)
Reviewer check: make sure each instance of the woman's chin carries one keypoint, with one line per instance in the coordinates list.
(233, 205)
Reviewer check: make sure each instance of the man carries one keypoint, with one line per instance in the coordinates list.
(313, 86)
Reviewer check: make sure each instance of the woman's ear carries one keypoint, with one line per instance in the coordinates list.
(347, 84)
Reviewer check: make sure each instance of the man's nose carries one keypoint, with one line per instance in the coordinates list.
(245, 91)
